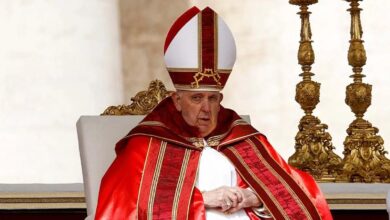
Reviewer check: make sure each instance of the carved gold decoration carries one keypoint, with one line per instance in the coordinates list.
(303, 2)
(364, 154)
(143, 102)
(308, 95)
(313, 144)
(314, 150)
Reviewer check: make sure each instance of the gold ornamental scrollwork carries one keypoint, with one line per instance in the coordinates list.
(358, 97)
(313, 144)
(314, 150)
(364, 154)
(143, 102)
(308, 95)
(306, 53)
(357, 54)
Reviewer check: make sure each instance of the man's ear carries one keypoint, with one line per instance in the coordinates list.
(176, 100)
(221, 98)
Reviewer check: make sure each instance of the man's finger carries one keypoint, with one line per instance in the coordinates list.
(238, 192)
(225, 206)
(233, 209)
(233, 198)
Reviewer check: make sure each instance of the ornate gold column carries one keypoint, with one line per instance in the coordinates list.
(313, 144)
(364, 155)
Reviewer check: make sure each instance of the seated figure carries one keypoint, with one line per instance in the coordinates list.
(191, 158)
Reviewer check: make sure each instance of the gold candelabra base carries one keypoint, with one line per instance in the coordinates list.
(314, 150)
(364, 155)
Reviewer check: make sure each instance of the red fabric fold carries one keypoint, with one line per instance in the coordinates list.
(197, 210)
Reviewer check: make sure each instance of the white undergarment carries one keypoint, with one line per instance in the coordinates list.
(215, 170)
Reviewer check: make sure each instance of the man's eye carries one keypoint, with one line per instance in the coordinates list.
(213, 98)
(196, 98)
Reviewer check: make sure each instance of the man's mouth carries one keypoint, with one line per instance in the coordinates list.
(206, 120)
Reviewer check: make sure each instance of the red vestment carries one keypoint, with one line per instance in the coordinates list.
(154, 173)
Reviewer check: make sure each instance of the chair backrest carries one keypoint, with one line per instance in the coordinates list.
(97, 137)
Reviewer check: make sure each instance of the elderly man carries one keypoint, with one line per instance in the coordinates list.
(191, 158)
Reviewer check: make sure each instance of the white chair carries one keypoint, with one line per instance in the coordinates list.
(388, 203)
(97, 137)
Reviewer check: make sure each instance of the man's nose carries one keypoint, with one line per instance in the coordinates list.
(206, 105)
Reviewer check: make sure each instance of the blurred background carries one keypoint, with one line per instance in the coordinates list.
(63, 59)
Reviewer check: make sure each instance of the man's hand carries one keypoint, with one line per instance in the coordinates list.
(250, 199)
(222, 198)
(230, 199)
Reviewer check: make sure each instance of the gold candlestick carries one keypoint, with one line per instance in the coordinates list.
(313, 144)
(364, 154)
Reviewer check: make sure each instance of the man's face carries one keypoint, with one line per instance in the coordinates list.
(199, 109)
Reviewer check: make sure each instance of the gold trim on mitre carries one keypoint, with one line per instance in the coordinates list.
(200, 66)
(194, 70)
(183, 69)
(215, 42)
(201, 87)
(225, 71)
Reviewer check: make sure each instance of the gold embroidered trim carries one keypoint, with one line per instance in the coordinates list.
(250, 186)
(225, 71)
(208, 73)
(157, 123)
(213, 143)
(142, 177)
(235, 123)
(201, 87)
(180, 183)
(271, 169)
(236, 139)
(221, 136)
(198, 142)
(156, 176)
(166, 139)
(216, 42)
(200, 42)
(262, 185)
(182, 69)
(194, 70)
(152, 123)
(239, 122)
(260, 156)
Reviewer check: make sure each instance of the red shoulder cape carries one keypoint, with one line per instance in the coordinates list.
(154, 174)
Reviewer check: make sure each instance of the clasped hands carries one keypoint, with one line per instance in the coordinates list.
(230, 199)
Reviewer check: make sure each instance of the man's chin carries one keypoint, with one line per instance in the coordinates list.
(205, 130)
